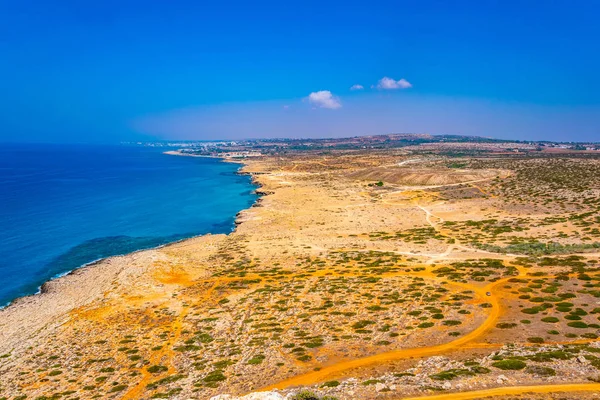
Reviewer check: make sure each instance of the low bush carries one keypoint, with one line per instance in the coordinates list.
(509, 365)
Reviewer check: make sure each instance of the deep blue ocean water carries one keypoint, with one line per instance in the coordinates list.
(64, 206)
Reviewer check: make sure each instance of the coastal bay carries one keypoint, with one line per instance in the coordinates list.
(62, 207)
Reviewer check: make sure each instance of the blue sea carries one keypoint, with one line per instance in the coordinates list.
(64, 206)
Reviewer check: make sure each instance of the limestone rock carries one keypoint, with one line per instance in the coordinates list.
(251, 396)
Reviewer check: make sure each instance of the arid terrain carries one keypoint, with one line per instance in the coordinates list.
(359, 274)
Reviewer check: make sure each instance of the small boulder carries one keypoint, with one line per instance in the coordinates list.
(380, 386)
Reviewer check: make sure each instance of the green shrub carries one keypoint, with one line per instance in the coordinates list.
(314, 342)
(509, 364)
(257, 359)
(118, 388)
(540, 371)
(564, 304)
(165, 380)
(309, 395)
(451, 322)
(577, 324)
(506, 325)
(155, 369)
(362, 323)
(573, 317)
(579, 311)
(223, 364)
(550, 319)
(451, 374)
(305, 395)
(214, 376)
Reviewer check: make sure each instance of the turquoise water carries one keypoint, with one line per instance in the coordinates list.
(64, 206)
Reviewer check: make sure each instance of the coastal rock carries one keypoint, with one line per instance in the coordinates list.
(262, 192)
(45, 287)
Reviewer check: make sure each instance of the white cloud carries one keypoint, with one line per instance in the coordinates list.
(389, 83)
(356, 87)
(324, 99)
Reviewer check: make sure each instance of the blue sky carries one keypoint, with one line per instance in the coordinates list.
(75, 71)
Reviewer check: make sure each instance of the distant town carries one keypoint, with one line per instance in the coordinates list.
(414, 142)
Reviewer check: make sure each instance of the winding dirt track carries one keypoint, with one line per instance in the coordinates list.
(514, 390)
(341, 369)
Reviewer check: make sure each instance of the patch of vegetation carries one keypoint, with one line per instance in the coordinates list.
(155, 369)
(506, 325)
(165, 380)
(362, 323)
(310, 395)
(257, 359)
(577, 324)
(550, 319)
(540, 370)
(451, 374)
(117, 388)
(509, 364)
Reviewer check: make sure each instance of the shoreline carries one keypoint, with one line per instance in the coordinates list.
(182, 154)
(46, 286)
